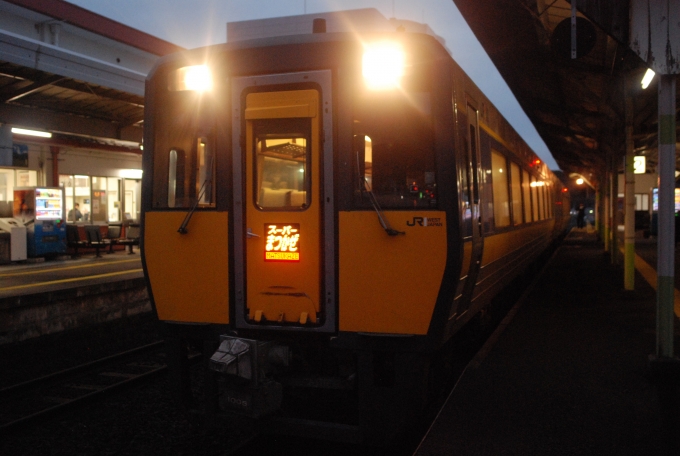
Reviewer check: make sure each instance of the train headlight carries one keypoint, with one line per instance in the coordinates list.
(196, 78)
(383, 65)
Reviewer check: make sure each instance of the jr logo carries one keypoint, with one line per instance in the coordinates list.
(425, 221)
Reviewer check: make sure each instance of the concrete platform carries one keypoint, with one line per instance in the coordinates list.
(568, 371)
(44, 297)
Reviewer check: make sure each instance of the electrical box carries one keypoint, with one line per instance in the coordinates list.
(18, 238)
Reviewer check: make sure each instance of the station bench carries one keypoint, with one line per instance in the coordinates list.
(131, 236)
(75, 241)
(95, 239)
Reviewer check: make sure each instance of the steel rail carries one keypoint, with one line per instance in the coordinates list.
(35, 382)
(126, 380)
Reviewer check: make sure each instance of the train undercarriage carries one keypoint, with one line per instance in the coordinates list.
(293, 387)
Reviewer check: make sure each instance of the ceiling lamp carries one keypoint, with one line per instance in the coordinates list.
(24, 131)
(647, 79)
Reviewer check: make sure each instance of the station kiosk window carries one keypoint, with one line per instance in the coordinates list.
(9, 180)
(101, 199)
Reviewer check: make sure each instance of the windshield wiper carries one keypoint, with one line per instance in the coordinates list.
(208, 181)
(376, 206)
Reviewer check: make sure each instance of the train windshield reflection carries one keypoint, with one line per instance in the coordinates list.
(395, 145)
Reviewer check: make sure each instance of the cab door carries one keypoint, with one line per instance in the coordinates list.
(280, 249)
(473, 239)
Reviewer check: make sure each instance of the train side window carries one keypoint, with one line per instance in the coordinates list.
(499, 179)
(176, 168)
(187, 185)
(526, 193)
(541, 200)
(364, 147)
(205, 172)
(184, 152)
(486, 191)
(534, 198)
(516, 195)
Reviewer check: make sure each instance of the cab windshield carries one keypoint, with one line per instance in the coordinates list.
(394, 148)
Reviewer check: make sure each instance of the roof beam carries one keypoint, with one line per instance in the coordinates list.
(27, 89)
(103, 92)
(82, 143)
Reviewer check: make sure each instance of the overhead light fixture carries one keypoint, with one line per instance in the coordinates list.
(580, 180)
(24, 131)
(647, 78)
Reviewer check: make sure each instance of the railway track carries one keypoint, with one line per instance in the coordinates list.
(28, 402)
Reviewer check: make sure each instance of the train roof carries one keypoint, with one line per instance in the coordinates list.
(489, 114)
(202, 53)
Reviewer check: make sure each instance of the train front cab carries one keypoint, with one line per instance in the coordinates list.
(296, 214)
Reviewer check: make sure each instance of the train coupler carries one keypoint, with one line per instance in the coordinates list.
(243, 384)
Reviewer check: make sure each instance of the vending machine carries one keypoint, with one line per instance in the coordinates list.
(41, 210)
(654, 216)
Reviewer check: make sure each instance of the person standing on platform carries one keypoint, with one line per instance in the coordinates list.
(74, 215)
(581, 216)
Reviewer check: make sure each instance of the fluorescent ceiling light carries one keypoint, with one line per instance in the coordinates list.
(23, 131)
(647, 79)
(130, 173)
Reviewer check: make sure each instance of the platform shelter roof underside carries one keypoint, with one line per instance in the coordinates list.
(74, 73)
(578, 104)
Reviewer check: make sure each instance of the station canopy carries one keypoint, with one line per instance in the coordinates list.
(50, 78)
(576, 104)
(74, 73)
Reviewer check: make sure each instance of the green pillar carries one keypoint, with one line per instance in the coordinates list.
(666, 239)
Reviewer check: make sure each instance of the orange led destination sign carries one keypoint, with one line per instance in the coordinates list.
(281, 243)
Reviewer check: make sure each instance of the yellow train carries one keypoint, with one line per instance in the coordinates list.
(322, 212)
